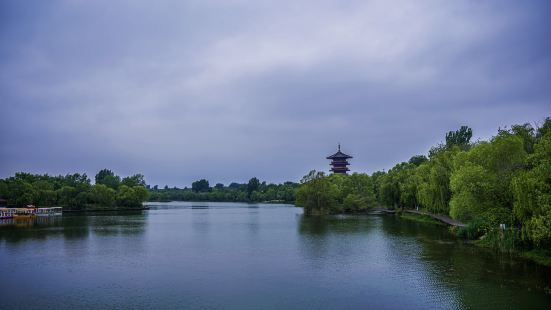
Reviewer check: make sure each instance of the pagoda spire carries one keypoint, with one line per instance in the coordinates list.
(339, 163)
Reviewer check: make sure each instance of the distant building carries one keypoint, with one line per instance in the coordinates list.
(339, 163)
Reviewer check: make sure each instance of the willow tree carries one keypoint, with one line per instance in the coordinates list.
(314, 194)
(481, 179)
(532, 194)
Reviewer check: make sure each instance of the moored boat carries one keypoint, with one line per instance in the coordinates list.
(27, 212)
(49, 211)
(6, 213)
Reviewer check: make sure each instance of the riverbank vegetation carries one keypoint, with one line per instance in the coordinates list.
(501, 187)
(75, 191)
(252, 191)
(419, 218)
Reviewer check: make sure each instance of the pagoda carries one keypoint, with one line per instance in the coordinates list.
(339, 163)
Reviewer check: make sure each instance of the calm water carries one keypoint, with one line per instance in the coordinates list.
(237, 256)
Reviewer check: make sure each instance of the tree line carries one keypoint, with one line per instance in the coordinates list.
(505, 180)
(252, 191)
(75, 191)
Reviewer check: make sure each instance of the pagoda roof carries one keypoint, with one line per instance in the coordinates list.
(339, 155)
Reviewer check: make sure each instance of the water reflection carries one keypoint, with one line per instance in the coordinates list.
(321, 226)
(72, 227)
(423, 260)
(479, 278)
(331, 238)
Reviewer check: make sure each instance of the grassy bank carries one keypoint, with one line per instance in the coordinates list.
(542, 257)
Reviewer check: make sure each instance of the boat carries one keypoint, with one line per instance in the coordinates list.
(6, 213)
(49, 211)
(27, 212)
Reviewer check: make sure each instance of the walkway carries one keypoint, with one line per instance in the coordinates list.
(441, 218)
(380, 211)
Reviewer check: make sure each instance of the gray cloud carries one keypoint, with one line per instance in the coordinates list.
(180, 90)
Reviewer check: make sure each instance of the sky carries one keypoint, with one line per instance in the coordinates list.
(229, 90)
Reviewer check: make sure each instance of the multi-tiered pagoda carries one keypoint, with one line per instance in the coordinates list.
(339, 163)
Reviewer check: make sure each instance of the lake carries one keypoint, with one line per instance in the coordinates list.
(254, 256)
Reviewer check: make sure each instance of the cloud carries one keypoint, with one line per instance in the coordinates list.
(180, 90)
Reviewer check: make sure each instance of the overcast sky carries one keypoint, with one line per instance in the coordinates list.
(228, 90)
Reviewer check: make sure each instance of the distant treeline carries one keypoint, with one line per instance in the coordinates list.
(253, 191)
(74, 191)
(506, 180)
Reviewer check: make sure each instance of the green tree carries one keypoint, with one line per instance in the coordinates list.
(200, 186)
(532, 194)
(108, 178)
(482, 178)
(102, 195)
(67, 197)
(252, 186)
(460, 137)
(433, 180)
(131, 197)
(418, 160)
(315, 194)
(134, 180)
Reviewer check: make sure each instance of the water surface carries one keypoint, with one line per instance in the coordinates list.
(254, 256)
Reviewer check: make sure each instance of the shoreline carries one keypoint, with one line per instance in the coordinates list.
(106, 210)
(539, 257)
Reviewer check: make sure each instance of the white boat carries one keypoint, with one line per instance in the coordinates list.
(7, 213)
(49, 211)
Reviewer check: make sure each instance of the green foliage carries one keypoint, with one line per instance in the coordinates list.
(541, 256)
(503, 240)
(337, 193)
(72, 191)
(474, 192)
(474, 230)
(433, 181)
(135, 180)
(460, 137)
(131, 197)
(235, 192)
(102, 195)
(108, 178)
(532, 194)
(200, 186)
(418, 160)
(482, 176)
(253, 185)
(316, 194)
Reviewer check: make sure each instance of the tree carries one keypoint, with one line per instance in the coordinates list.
(200, 186)
(474, 191)
(314, 194)
(482, 177)
(45, 194)
(252, 186)
(131, 197)
(102, 195)
(108, 178)
(135, 180)
(532, 194)
(460, 137)
(528, 135)
(67, 197)
(418, 160)
(433, 181)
